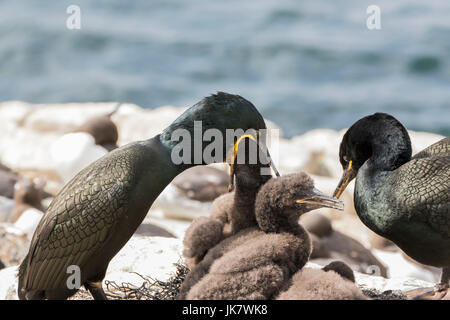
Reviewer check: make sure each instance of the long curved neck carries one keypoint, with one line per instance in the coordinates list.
(391, 148)
(177, 158)
(370, 200)
(243, 213)
(162, 169)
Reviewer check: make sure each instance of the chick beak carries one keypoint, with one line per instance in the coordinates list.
(319, 200)
(348, 175)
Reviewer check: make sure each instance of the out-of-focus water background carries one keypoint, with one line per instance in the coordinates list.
(304, 64)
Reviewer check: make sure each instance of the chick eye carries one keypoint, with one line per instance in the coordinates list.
(345, 158)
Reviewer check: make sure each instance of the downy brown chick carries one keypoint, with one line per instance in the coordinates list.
(256, 262)
(233, 211)
(335, 281)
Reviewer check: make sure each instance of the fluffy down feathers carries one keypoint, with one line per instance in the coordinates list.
(323, 284)
(248, 265)
(203, 234)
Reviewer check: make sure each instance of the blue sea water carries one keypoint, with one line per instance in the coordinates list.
(304, 64)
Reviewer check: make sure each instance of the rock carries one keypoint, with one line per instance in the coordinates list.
(150, 230)
(149, 256)
(14, 112)
(174, 205)
(28, 221)
(135, 123)
(9, 283)
(14, 244)
(399, 266)
(64, 118)
(176, 227)
(6, 209)
(333, 245)
(73, 152)
(191, 193)
(25, 149)
(202, 183)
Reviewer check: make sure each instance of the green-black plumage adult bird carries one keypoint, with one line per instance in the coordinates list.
(98, 211)
(402, 198)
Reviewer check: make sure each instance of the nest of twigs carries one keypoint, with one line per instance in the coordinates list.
(151, 289)
(385, 295)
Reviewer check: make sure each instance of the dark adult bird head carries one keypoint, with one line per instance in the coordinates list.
(222, 113)
(379, 137)
(286, 198)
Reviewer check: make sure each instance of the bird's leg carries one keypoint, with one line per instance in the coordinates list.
(96, 290)
(445, 279)
(442, 290)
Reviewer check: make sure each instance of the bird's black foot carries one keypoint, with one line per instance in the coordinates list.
(96, 290)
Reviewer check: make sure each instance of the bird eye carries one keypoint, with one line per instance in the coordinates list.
(345, 158)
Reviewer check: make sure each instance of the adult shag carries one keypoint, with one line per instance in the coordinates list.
(98, 211)
(402, 198)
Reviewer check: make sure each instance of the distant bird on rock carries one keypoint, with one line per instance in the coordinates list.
(103, 129)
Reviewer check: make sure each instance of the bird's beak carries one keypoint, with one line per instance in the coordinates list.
(348, 175)
(319, 200)
(271, 164)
